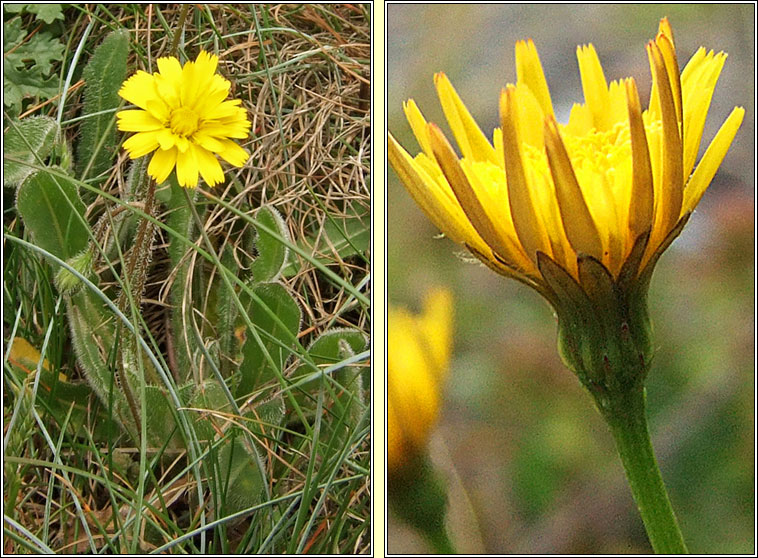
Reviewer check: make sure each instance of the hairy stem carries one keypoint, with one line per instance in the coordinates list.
(135, 277)
(179, 28)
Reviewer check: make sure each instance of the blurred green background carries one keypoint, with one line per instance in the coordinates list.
(531, 466)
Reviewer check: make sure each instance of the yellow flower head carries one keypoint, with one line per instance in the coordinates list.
(417, 359)
(185, 118)
(615, 185)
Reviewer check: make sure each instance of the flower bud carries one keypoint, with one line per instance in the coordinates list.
(417, 359)
(67, 282)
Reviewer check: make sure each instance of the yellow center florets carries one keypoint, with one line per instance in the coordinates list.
(602, 151)
(184, 122)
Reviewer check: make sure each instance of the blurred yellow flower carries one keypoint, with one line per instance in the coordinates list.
(615, 184)
(186, 119)
(418, 351)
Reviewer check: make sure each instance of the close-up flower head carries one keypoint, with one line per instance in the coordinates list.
(185, 118)
(616, 183)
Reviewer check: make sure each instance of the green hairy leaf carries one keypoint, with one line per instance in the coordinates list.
(52, 211)
(352, 399)
(272, 253)
(329, 348)
(239, 463)
(93, 337)
(240, 473)
(277, 335)
(103, 77)
(27, 142)
(226, 316)
(160, 416)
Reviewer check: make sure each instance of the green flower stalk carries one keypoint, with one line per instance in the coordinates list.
(416, 368)
(184, 120)
(581, 212)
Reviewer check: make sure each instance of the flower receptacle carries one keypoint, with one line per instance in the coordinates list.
(604, 327)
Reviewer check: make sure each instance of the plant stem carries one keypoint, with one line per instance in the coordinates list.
(628, 424)
(440, 541)
(134, 285)
(179, 28)
(418, 496)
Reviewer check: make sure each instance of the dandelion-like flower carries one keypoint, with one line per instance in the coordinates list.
(580, 212)
(416, 368)
(185, 119)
